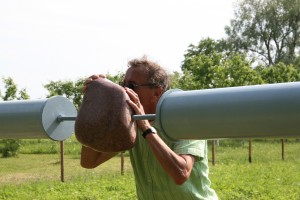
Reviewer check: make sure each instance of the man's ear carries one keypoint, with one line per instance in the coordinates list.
(158, 92)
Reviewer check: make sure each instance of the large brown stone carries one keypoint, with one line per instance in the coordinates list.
(104, 119)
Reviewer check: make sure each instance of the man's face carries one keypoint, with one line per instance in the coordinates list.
(147, 95)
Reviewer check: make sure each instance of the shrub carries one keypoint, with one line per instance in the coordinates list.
(10, 147)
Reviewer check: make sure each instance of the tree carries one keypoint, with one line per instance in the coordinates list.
(279, 73)
(175, 80)
(23, 94)
(73, 89)
(69, 89)
(116, 78)
(11, 91)
(210, 65)
(266, 29)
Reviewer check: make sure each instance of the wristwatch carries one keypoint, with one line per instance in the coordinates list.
(148, 131)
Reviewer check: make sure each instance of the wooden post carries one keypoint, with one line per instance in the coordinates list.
(213, 151)
(250, 150)
(62, 174)
(282, 149)
(122, 163)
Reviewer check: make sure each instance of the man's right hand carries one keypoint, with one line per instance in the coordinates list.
(90, 79)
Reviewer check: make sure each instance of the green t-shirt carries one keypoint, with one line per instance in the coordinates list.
(153, 183)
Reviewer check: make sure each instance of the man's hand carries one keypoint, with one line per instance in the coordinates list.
(90, 79)
(138, 108)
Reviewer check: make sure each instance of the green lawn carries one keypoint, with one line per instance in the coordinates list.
(37, 176)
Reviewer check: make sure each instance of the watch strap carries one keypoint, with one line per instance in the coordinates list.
(148, 131)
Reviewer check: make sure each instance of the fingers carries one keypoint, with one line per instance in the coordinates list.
(138, 108)
(139, 111)
(133, 106)
(94, 77)
(134, 101)
(90, 79)
(142, 124)
(133, 96)
(101, 76)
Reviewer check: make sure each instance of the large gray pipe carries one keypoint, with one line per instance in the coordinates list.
(36, 119)
(271, 110)
(238, 112)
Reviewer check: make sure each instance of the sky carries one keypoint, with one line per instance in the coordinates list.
(52, 40)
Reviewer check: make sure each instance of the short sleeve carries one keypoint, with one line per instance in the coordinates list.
(192, 147)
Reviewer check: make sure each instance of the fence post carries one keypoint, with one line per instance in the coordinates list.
(282, 149)
(250, 150)
(213, 153)
(122, 163)
(62, 174)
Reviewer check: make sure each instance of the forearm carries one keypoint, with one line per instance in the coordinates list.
(177, 166)
(91, 158)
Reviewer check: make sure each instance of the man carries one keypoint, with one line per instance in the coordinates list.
(163, 169)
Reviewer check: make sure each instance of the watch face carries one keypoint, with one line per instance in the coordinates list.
(153, 130)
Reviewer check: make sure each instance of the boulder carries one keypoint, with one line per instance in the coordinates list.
(104, 120)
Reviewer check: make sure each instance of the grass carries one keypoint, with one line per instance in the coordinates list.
(267, 177)
(37, 176)
(32, 176)
(34, 167)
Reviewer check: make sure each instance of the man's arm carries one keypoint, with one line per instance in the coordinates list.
(91, 158)
(178, 167)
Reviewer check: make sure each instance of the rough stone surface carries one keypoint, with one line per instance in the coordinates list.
(104, 119)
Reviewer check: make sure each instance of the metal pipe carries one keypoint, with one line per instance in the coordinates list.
(26, 119)
(271, 110)
(61, 118)
(143, 117)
